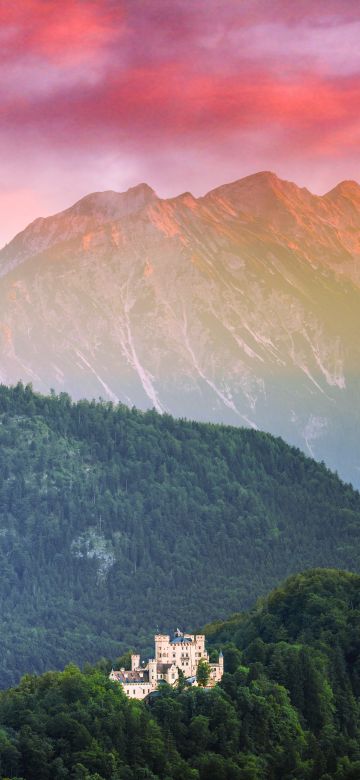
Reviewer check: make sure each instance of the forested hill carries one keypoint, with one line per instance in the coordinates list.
(288, 707)
(115, 522)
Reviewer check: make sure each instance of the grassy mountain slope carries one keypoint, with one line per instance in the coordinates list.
(114, 522)
(288, 707)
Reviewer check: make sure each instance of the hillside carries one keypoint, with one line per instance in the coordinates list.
(240, 307)
(288, 707)
(114, 522)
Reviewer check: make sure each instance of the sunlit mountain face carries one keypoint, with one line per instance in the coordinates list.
(242, 306)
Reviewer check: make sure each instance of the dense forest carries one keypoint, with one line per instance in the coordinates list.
(288, 707)
(116, 522)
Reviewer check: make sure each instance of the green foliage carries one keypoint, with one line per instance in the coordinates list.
(287, 708)
(78, 726)
(181, 680)
(114, 522)
(303, 642)
(203, 673)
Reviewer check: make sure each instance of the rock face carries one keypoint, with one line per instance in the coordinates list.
(242, 307)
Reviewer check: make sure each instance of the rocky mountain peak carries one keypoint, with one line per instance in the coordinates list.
(91, 211)
(110, 205)
(263, 196)
(348, 188)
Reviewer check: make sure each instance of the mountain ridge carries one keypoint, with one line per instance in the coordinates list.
(143, 194)
(241, 306)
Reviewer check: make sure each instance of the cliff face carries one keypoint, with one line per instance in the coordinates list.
(242, 306)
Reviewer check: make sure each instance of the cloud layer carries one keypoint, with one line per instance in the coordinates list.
(99, 94)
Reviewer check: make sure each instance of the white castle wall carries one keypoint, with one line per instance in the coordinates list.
(183, 651)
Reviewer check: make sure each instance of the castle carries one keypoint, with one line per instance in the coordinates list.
(182, 651)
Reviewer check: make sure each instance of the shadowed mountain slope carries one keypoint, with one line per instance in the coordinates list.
(115, 521)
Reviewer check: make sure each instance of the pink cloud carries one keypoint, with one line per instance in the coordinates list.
(62, 34)
(186, 94)
(165, 103)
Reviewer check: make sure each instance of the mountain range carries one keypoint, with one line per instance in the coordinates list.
(242, 307)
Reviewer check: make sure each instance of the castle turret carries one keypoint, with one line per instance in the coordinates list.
(221, 663)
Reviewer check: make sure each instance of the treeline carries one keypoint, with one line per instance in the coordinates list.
(288, 707)
(114, 522)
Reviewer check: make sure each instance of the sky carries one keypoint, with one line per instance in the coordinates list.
(182, 94)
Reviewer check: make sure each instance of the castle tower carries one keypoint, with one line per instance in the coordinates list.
(152, 666)
(135, 662)
(200, 645)
(162, 647)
